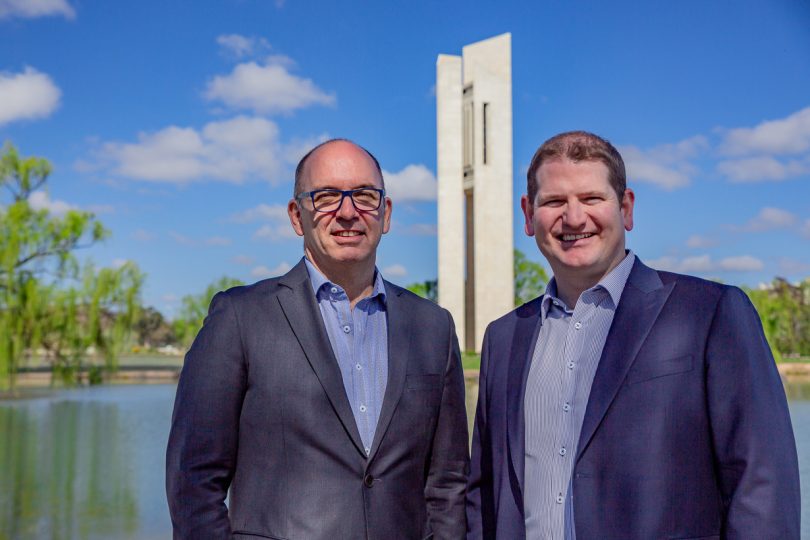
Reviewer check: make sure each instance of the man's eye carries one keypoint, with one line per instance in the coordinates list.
(593, 200)
(553, 203)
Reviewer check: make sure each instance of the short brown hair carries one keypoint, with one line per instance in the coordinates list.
(578, 146)
(299, 170)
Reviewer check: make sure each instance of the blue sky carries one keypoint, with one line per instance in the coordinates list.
(179, 123)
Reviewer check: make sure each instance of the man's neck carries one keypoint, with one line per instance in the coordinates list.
(357, 278)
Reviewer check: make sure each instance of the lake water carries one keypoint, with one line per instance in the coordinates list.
(88, 463)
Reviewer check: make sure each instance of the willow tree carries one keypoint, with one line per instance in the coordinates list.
(194, 308)
(35, 246)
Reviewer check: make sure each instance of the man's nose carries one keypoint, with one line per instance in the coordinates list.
(346, 210)
(574, 214)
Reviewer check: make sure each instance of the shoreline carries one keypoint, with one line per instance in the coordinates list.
(168, 374)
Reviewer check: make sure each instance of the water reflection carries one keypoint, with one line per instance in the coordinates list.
(88, 464)
(69, 466)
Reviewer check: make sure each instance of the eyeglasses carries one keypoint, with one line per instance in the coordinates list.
(329, 200)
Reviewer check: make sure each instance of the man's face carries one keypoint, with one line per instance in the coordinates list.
(345, 235)
(577, 221)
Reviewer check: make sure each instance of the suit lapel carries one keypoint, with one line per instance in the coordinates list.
(640, 304)
(302, 312)
(527, 329)
(399, 338)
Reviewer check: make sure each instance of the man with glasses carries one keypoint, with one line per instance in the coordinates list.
(329, 401)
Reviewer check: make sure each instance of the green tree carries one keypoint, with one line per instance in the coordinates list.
(33, 243)
(785, 313)
(426, 289)
(194, 308)
(530, 278)
(152, 330)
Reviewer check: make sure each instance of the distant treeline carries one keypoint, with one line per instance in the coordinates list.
(81, 318)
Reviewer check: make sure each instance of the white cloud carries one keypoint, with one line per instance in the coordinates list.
(27, 95)
(40, 200)
(218, 241)
(668, 165)
(413, 183)
(699, 241)
(29, 9)
(763, 168)
(790, 135)
(704, 264)
(245, 260)
(181, 239)
(142, 235)
(789, 266)
(240, 46)
(266, 88)
(275, 232)
(233, 150)
(422, 229)
(99, 209)
(770, 218)
(395, 271)
(262, 212)
(805, 230)
(262, 272)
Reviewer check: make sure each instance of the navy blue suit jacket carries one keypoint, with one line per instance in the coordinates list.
(686, 433)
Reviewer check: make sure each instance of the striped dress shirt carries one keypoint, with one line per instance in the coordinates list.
(359, 339)
(563, 366)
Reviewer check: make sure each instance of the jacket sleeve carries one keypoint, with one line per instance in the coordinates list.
(475, 526)
(201, 454)
(449, 462)
(752, 434)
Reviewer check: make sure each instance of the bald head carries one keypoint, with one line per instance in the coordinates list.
(301, 169)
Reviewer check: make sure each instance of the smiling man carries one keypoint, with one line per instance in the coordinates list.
(327, 403)
(624, 403)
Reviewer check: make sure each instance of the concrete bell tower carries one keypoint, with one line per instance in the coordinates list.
(474, 169)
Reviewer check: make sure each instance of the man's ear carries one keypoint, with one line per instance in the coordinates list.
(628, 200)
(294, 213)
(528, 212)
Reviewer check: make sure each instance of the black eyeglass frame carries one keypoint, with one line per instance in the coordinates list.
(343, 194)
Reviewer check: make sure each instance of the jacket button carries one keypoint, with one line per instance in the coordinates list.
(368, 480)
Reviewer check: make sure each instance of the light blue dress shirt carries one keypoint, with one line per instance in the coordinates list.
(359, 339)
(563, 366)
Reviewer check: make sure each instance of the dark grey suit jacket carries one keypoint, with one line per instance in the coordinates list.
(686, 433)
(261, 410)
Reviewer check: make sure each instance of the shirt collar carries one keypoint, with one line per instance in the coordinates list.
(321, 282)
(613, 282)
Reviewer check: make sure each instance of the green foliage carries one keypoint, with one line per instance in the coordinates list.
(426, 289)
(152, 329)
(194, 309)
(530, 279)
(36, 259)
(785, 313)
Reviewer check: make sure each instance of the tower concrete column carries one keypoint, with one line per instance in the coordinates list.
(475, 207)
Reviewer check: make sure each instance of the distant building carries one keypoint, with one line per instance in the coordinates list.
(474, 169)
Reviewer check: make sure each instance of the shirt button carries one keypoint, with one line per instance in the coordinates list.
(570, 365)
(368, 450)
(358, 366)
(578, 325)
(560, 499)
(334, 290)
(562, 451)
(347, 328)
(567, 407)
(362, 408)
